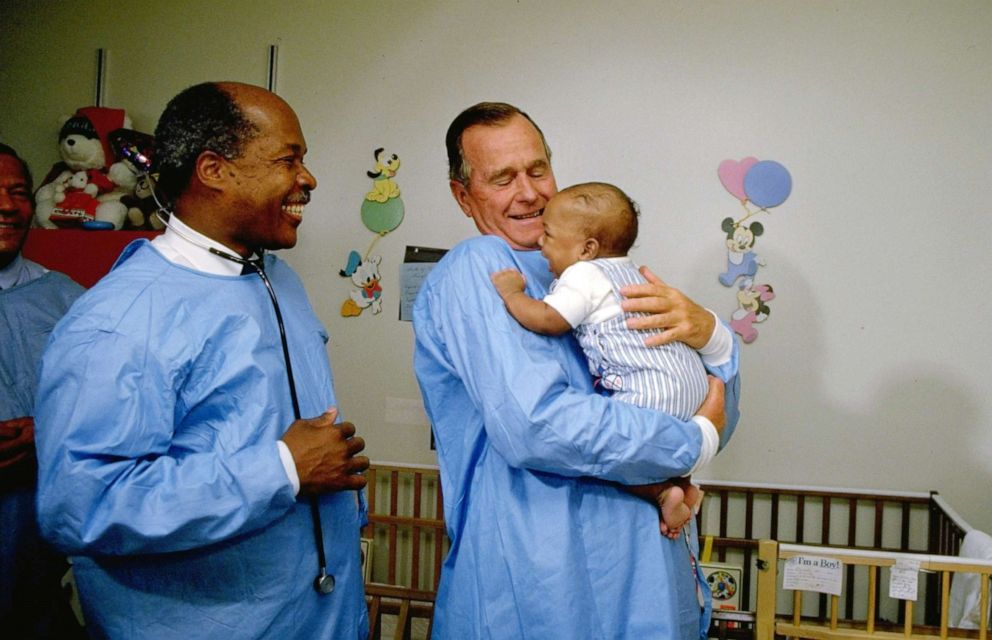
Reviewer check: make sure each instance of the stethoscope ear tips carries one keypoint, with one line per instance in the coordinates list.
(324, 583)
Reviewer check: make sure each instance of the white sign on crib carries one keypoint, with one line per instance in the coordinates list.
(813, 573)
(904, 577)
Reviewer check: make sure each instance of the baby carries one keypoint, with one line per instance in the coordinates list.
(588, 230)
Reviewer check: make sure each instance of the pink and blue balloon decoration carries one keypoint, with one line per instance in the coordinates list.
(767, 184)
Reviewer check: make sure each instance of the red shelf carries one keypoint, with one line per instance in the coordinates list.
(85, 256)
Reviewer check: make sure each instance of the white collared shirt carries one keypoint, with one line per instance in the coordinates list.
(183, 245)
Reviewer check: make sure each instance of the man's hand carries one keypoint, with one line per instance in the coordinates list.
(16, 441)
(325, 454)
(508, 282)
(712, 407)
(680, 319)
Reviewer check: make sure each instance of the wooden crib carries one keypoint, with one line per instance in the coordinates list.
(407, 545)
(872, 624)
(736, 517)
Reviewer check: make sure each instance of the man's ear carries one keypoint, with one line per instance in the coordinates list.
(211, 170)
(461, 195)
(590, 249)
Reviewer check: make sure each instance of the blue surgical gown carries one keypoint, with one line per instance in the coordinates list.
(162, 395)
(543, 545)
(29, 569)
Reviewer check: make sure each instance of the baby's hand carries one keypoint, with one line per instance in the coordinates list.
(508, 282)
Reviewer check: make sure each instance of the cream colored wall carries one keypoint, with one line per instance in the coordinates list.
(872, 368)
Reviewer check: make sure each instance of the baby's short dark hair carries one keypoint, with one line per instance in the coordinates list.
(610, 215)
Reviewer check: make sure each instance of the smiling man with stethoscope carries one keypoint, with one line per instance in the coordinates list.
(189, 460)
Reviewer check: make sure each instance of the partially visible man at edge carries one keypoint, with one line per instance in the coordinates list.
(172, 468)
(543, 542)
(32, 299)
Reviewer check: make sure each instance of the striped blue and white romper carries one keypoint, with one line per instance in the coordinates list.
(670, 378)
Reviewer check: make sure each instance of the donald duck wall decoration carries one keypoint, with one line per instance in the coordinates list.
(382, 211)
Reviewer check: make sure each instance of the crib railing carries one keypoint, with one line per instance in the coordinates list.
(408, 542)
(872, 624)
(735, 516)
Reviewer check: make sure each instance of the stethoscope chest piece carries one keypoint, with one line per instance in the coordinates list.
(324, 583)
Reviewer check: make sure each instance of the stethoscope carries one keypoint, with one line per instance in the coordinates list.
(324, 582)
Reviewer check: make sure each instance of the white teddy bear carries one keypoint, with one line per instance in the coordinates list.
(78, 181)
(84, 148)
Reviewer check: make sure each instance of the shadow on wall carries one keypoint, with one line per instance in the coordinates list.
(916, 429)
(939, 436)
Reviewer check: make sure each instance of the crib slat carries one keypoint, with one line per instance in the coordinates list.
(749, 515)
(825, 539)
(369, 530)
(878, 524)
(945, 601)
(394, 489)
(748, 552)
(774, 532)
(402, 620)
(852, 521)
(800, 517)
(374, 617)
(872, 582)
(724, 500)
(393, 499)
(825, 522)
(907, 626)
(984, 604)
(934, 545)
(415, 560)
(852, 536)
(764, 626)
(834, 606)
(797, 607)
(904, 534)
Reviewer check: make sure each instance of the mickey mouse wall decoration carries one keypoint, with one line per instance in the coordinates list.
(741, 259)
(755, 183)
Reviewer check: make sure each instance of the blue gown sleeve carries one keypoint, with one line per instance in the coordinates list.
(533, 392)
(729, 372)
(116, 479)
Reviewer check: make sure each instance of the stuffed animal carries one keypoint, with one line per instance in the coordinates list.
(75, 199)
(84, 146)
(135, 149)
(141, 206)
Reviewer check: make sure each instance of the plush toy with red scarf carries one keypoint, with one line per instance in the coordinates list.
(84, 145)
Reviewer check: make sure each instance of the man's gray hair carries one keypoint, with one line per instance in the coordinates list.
(485, 113)
(203, 117)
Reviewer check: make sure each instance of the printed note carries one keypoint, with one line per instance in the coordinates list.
(813, 573)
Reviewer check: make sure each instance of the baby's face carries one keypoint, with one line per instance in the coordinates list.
(563, 239)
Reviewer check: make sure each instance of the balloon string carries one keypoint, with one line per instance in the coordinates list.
(374, 240)
(749, 212)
